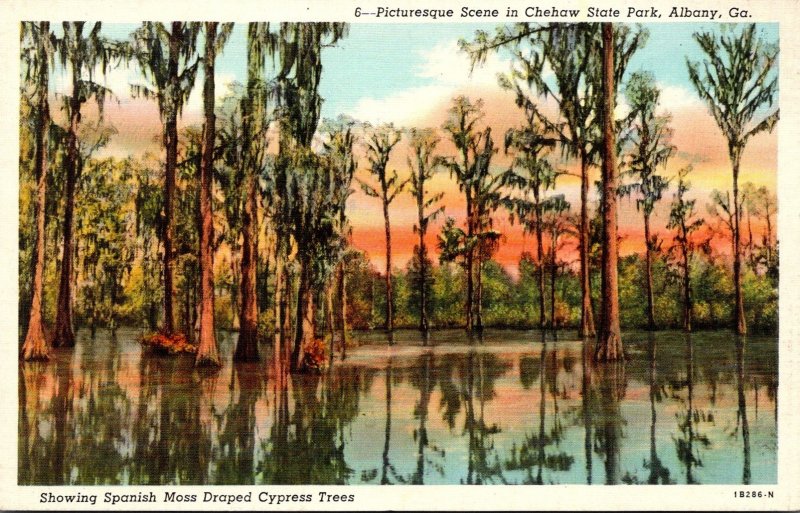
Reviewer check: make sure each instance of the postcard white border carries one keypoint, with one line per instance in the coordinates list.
(554, 497)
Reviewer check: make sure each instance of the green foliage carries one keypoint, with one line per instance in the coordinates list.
(104, 228)
(499, 307)
(510, 301)
(713, 293)
(760, 302)
(363, 291)
(417, 281)
(447, 303)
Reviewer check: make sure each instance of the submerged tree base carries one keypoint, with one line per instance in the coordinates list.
(35, 355)
(64, 337)
(247, 347)
(208, 362)
(36, 347)
(609, 349)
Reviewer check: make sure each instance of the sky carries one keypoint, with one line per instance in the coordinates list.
(407, 74)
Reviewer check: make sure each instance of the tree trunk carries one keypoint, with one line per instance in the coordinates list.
(687, 299)
(35, 346)
(247, 345)
(187, 307)
(278, 299)
(305, 317)
(740, 324)
(329, 318)
(171, 138)
(648, 271)
(540, 262)
(262, 280)
(750, 253)
(553, 276)
(769, 233)
(587, 315)
(65, 334)
(343, 309)
(423, 291)
(389, 309)
(469, 260)
(207, 345)
(285, 318)
(609, 346)
(93, 316)
(252, 122)
(171, 159)
(422, 256)
(479, 294)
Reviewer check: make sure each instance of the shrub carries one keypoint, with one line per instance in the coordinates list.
(314, 357)
(174, 344)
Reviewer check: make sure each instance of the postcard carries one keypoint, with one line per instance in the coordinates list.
(281, 256)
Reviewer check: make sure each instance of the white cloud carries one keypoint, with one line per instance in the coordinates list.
(673, 99)
(447, 65)
(403, 108)
(679, 98)
(447, 71)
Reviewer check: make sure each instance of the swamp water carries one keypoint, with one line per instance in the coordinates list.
(507, 409)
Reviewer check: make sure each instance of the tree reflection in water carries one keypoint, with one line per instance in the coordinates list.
(691, 440)
(172, 444)
(237, 439)
(478, 374)
(306, 443)
(421, 378)
(742, 410)
(587, 399)
(31, 448)
(532, 451)
(387, 434)
(659, 474)
(101, 420)
(611, 385)
(107, 413)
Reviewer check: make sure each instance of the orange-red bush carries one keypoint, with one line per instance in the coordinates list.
(162, 343)
(314, 358)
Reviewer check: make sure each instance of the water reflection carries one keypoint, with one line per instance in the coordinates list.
(659, 474)
(687, 444)
(532, 452)
(237, 439)
(422, 381)
(388, 431)
(587, 399)
(742, 411)
(502, 410)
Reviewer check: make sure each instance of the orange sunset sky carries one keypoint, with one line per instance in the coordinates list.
(408, 74)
